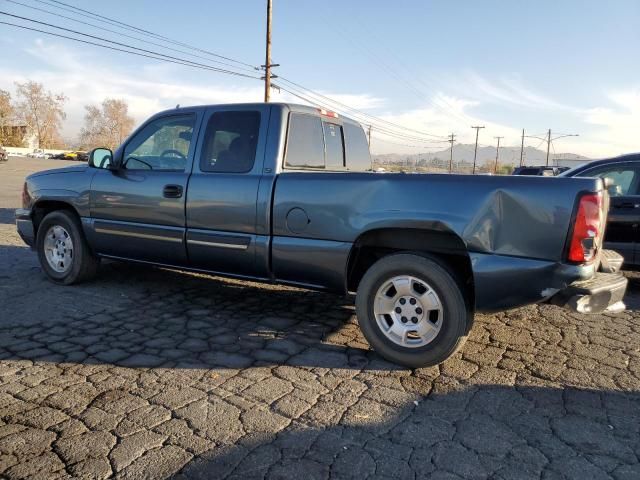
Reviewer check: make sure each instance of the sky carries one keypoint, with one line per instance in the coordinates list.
(435, 67)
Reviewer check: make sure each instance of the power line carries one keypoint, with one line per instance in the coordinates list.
(88, 14)
(126, 45)
(103, 28)
(392, 124)
(160, 56)
(362, 117)
(379, 129)
(178, 62)
(391, 71)
(401, 63)
(368, 119)
(147, 33)
(424, 147)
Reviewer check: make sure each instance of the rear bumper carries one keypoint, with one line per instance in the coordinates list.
(24, 224)
(602, 292)
(610, 261)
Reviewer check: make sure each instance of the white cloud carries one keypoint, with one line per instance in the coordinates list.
(618, 126)
(509, 90)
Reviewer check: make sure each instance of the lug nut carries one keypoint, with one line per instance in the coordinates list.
(398, 310)
(419, 311)
(402, 301)
(403, 319)
(412, 301)
(414, 319)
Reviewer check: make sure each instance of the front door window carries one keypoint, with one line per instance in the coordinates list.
(163, 145)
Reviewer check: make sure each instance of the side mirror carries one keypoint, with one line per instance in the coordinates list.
(102, 158)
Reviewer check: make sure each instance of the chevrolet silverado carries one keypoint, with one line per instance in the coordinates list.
(285, 193)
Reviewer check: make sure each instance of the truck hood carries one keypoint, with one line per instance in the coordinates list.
(53, 171)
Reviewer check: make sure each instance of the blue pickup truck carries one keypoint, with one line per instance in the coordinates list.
(285, 193)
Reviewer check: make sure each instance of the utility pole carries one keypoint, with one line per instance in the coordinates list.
(548, 145)
(522, 149)
(452, 138)
(495, 168)
(475, 152)
(267, 64)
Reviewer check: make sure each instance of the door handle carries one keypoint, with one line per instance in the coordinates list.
(172, 191)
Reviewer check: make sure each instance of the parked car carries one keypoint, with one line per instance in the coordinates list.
(4, 156)
(622, 234)
(284, 193)
(82, 156)
(542, 170)
(58, 156)
(39, 153)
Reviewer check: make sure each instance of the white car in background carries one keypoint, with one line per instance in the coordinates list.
(39, 153)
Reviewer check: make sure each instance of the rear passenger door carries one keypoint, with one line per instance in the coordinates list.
(624, 209)
(224, 233)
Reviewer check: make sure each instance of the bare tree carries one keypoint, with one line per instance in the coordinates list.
(42, 111)
(108, 125)
(6, 116)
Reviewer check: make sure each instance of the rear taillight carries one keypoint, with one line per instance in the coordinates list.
(587, 231)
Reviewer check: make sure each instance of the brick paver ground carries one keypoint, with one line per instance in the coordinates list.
(149, 373)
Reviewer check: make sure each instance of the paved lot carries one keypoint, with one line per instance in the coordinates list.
(148, 373)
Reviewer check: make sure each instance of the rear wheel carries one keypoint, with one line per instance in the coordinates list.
(63, 251)
(412, 310)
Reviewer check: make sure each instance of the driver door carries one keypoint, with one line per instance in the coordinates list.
(138, 211)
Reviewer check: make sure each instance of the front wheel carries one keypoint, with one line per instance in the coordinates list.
(62, 249)
(411, 310)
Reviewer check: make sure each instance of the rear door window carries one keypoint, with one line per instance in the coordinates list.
(305, 145)
(230, 142)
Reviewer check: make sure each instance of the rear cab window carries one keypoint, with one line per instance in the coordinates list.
(305, 144)
(314, 142)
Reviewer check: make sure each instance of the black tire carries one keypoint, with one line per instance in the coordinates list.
(455, 315)
(84, 264)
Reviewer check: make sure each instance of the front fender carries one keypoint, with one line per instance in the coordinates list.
(78, 200)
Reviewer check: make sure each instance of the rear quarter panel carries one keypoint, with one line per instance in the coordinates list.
(526, 217)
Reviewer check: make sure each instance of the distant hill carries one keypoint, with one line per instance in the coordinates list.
(463, 153)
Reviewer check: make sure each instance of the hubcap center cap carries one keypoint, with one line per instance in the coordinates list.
(408, 310)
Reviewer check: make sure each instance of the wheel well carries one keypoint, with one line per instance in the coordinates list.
(445, 247)
(44, 207)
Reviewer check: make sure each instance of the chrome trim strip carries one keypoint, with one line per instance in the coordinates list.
(137, 235)
(235, 246)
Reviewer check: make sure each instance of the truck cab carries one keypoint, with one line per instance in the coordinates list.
(193, 186)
